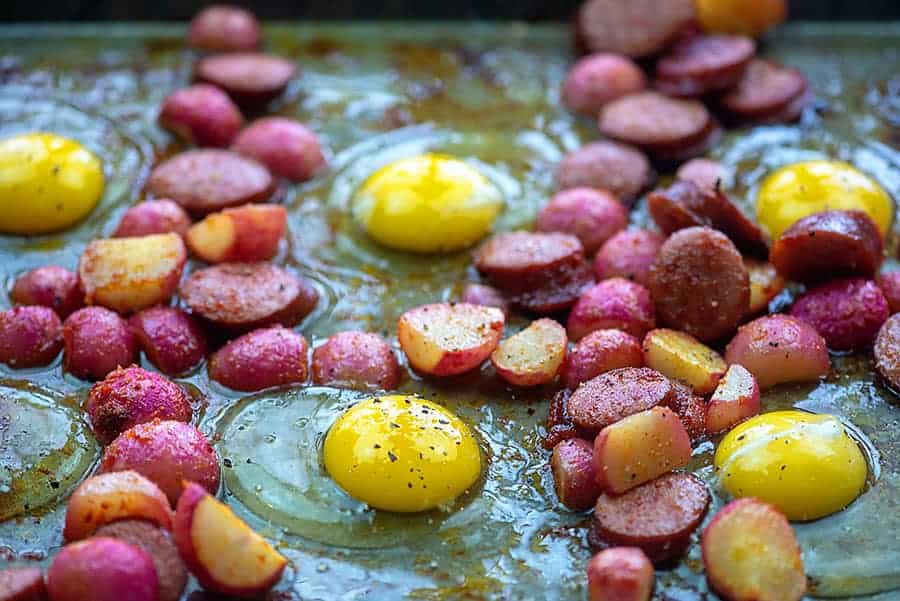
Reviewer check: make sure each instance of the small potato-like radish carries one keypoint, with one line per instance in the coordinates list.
(572, 464)
(165, 452)
(22, 584)
(172, 340)
(628, 255)
(243, 234)
(847, 313)
(735, 399)
(612, 304)
(779, 349)
(130, 274)
(482, 294)
(97, 341)
(765, 284)
(445, 339)
(682, 357)
(890, 287)
(102, 569)
(131, 396)
(159, 546)
(220, 549)
(750, 553)
(261, 359)
(639, 448)
(224, 28)
(49, 286)
(287, 147)
(107, 498)
(201, 114)
(620, 574)
(356, 360)
(29, 336)
(153, 217)
(533, 356)
(600, 78)
(591, 215)
(599, 352)
(706, 174)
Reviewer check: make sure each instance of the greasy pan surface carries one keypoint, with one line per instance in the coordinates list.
(376, 93)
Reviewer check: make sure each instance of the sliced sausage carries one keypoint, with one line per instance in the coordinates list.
(252, 79)
(829, 245)
(244, 296)
(673, 155)
(559, 292)
(685, 204)
(617, 168)
(22, 584)
(636, 28)
(667, 128)
(765, 92)
(658, 517)
(615, 395)
(701, 64)
(559, 425)
(206, 181)
(887, 353)
(700, 284)
(691, 409)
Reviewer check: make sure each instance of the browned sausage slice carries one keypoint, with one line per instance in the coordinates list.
(636, 28)
(702, 64)
(658, 516)
(245, 296)
(252, 79)
(887, 353)
(668, 128)
(561, 290)
(521, 261)
(617, 168)
(685, 204)
(829, 245)
(205, 181)
(559, 426)
(615, 395)
(765, 91)
(22, 584)
(699, 283)
(690, 408)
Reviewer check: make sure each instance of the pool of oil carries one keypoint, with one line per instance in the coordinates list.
(487, 93)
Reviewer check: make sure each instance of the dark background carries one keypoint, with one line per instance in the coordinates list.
(529, 10)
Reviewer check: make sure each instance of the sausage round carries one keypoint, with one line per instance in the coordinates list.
(700, 284)
(701, 64)
(206, 181)
(244, 296)
(887, 352)
(560, 291)
(252, 79)
(691, 409)
(765, 92)
(663, 126)
(636, 28)
(829, 245)
(615, 395)
(658, 517)
(622, 170)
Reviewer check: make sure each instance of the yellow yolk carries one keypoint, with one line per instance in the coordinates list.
(805, 464)
(801, 189)
(427, 203)
(47, 183)
(400, 453)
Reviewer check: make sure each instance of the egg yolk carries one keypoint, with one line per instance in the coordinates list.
(805, 464)
(801, 189)
(427, 203)
(47, 183)
(401, 453)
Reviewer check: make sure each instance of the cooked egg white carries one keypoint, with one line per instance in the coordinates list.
(795, 191)
(47, 183)
(401, 453)
(427, 203)
(805, 464)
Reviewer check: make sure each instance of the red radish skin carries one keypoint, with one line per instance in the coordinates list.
(890, 287)
(29, 336)
(172, 340)
(223, 28)
(201, 114)
(49, 286)
(592, 216)
(22, 584)
(356, 360)
(102, 569)
(598, 79)
(599, 352)
(287, 147)
(628, 255)
(574, 477)
(261, 359)
(153, 217)
(488, 296)
(620, 574)
(735, 399)
(612, 304)
(97, 341)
